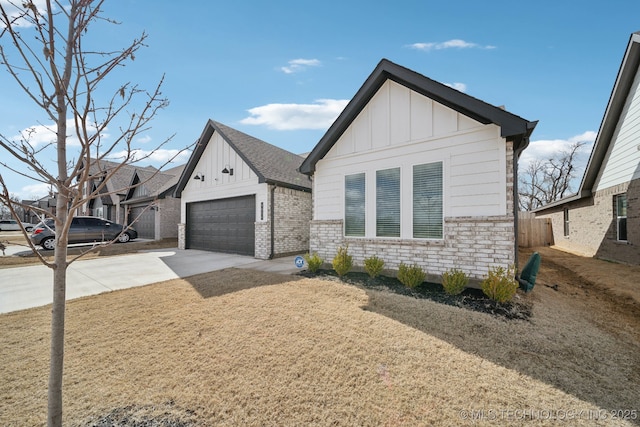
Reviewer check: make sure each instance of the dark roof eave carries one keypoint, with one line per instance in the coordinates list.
(512, 127)
(285, 184)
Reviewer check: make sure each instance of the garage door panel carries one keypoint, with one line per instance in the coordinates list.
(145, 222)
(225, 225)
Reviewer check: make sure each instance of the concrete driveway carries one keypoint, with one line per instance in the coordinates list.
(26, 287)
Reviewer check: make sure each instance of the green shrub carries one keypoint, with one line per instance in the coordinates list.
(500, 285)
(411, 276)
(313, 261)
(373, 266)
(454, 281)
(342, 262)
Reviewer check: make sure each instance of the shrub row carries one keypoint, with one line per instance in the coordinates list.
(500, 284)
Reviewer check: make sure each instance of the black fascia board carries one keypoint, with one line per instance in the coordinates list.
(512, 127)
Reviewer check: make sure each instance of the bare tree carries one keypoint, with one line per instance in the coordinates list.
(545, 181)
(5, 211)
(45, 51)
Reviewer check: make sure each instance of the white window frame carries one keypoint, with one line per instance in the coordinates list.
(344, 187)
(619, 217)
(442, 166)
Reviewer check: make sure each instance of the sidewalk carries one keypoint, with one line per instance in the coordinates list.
(26, 287)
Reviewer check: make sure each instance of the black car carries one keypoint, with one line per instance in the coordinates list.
(84, 229)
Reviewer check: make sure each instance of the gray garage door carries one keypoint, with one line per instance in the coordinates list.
(225, 225)
(145, 223)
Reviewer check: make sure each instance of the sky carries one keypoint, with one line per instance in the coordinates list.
(283, 70)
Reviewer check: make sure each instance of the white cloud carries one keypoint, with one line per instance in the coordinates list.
(144, 139)
(457, 86)
(297, 65)
(39, 135)
(319, 115)
(449, 44)
(156, 157)
(544, 149)
(14, 12)
(34, 191)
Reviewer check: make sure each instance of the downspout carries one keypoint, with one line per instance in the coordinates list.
(516, 200)
(272, 208)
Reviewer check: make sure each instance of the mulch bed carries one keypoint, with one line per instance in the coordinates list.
(470, 298)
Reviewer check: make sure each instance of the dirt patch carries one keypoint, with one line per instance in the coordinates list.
(269, 350)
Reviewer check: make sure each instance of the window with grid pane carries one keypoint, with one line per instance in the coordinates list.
(621, 216)
(354, 204)
(427, 201)
(388, 203)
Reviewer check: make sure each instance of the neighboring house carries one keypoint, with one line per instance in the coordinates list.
(414, 171)
(151, 205)
(603, 218)
(108, 204)
(33, 216)
(242, 195)
(139, 196)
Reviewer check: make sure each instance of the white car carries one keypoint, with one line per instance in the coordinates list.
(12, 225)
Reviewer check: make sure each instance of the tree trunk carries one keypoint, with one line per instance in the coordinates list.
(57, 338)
(56, 363)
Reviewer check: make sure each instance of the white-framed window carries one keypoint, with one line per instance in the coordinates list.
(428, 201)
(398, 203)
(566, 221)
(621, 217)
(388, 203)
(354, 204)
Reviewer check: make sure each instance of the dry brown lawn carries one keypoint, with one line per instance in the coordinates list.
(239, 347)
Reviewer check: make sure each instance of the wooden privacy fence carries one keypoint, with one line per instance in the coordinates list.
(534, 231)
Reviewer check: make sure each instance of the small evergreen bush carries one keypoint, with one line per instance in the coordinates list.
(500, 285)
(454, 281)
(342, 262)
(313, 261)
(373, 266)
(411, 275)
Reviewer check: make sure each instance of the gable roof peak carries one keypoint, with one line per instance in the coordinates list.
(512, 127)
(272, 164)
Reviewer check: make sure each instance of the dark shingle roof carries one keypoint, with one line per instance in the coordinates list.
(512, 127)
(271, 164)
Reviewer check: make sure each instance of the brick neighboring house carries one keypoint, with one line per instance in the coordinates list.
(151, 205)
(603, 218)
(414, 171)
(242, 195)
(139, 196)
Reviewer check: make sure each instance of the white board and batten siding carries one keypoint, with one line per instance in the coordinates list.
(217, 155)
(622, 163)
(401, 128)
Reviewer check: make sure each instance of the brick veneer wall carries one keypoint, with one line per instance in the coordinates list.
(169, 217)
(592, 225)
(292, 216)
(471, 244)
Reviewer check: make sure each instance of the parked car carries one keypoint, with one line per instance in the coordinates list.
(12, 225)
(84, 229)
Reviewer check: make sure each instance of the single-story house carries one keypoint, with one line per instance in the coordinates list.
(415, 171)
(242, 195)
(603, 218)
(150, 204)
